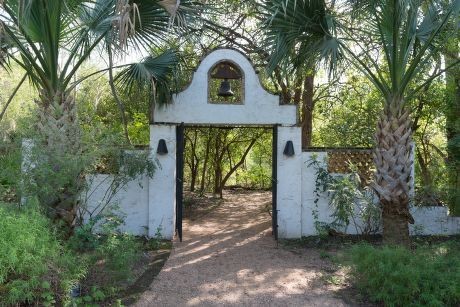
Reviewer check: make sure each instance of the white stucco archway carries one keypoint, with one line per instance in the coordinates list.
(260, 108)
(150, 203)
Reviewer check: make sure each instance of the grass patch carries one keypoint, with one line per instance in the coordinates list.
(34, 266)
(429, 275)
(330, 242)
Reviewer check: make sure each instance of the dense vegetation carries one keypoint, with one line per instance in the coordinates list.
(353, 68)
(428, 276)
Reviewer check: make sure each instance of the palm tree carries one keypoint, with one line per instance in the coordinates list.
(292, 55)
(51, 39)
(406, 37)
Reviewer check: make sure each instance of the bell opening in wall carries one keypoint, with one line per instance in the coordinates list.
(226, 84)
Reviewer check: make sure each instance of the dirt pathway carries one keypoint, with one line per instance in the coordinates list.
(229, 258)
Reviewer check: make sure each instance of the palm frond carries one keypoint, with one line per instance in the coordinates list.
(154, 74)
(156, 25)
(302, 32)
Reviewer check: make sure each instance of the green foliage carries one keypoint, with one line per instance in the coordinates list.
(322, 180)
(10, 165)
(95, 297)
(350, 201)
(395, 276)
(102, 239)
(98, 110)
(215, 157)
(139, 129)
(157, 241)
(34, 266)
(18, 114)
(257, 171)
(120, 252)
(354, 99)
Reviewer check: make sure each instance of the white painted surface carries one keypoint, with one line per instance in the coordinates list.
(434, 221)
(308, 195)
(132, 200)
(148, 204)
(260, 107)
(289, 187)
(428, 220)
(162, 187)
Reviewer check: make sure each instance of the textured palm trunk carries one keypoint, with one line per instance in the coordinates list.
(308, 105)
(453, 131)
(393, 162)
(58, 122)
(59, 129)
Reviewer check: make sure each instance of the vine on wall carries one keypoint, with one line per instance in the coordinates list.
(351, 203)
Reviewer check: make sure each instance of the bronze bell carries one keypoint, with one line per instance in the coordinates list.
(225, 89)
(226, 71)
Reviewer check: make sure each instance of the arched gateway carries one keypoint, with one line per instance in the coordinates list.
(195, 106)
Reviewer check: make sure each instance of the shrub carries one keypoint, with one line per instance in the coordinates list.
(34, 266)
(107, 245)
(10, 165)
(427, 276)
(351, 202)
(120, 252)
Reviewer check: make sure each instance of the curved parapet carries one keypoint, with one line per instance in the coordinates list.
(192, 105)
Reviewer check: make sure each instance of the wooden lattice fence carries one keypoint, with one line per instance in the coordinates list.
(342, 160)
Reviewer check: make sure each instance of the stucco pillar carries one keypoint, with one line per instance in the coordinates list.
(289, 187)
(162, 187)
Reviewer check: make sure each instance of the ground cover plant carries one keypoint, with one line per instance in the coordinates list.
(41, 262)
(428, 275)
(35, 266)
(38, 267)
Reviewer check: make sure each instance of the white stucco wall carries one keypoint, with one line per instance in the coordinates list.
(150, 203)
(289, 185)
(428, 220)
(132, 200)
(162, 187)
(434, 221)
(191, 106)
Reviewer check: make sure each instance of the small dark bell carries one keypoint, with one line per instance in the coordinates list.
(289, 149)
(162, 149)
(225, 89)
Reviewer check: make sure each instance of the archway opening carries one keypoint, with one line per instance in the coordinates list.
(228, 179)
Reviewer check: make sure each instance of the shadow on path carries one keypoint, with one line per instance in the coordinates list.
(229, 258)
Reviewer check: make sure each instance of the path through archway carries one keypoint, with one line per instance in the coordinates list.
(237, 263)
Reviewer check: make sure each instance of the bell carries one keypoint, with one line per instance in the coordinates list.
(225, 89)
(289, 149)
(162, 149)
(227, 71)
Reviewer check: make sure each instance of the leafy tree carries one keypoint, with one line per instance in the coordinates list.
(214, 157)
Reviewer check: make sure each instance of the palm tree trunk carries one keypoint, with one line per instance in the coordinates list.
(453, 130)
(308, 104)
(60, 131)
(58, 122)
(393, 162)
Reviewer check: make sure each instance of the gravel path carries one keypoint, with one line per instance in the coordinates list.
(229, 258)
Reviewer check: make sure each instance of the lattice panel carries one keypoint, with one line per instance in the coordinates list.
(339, 161)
